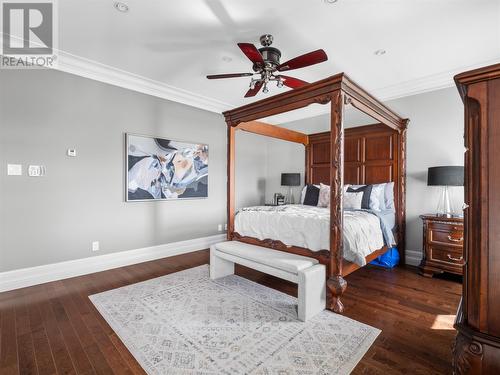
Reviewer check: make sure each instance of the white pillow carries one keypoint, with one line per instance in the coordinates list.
(389, 196)
(324, 196)
(303, 193)
(377, 197)
(353, 200)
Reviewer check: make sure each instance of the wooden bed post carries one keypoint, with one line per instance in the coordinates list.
(336, 283)
(231, 130)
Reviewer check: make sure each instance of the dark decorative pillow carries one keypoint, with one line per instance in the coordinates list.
(367, 192)
(312, 195)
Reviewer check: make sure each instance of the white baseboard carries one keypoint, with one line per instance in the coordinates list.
(413, 257)
(57, 271)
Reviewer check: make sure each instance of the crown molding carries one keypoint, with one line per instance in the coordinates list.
(425, 84)
(94, 70)
(107, 74)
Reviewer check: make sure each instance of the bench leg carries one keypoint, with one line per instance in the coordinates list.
(312, 292)
(219, 267)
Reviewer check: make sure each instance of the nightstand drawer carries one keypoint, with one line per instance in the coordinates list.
(444, 226)
(451, 235)
(443, 244)
(446, 254)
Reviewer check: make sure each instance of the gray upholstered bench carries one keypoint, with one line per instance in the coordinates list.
(304, 271)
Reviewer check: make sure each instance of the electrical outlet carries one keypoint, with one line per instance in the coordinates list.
(219, 227)
(36, 170)
(95, 246)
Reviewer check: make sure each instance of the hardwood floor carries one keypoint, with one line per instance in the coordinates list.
(54, 328)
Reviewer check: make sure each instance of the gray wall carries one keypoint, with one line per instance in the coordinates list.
(250, 169)
(284, 157)
(435, 137)
(80, 200)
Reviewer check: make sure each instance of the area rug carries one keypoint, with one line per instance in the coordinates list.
(184, 323)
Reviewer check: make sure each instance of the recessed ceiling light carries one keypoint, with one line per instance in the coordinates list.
(226, 59)
(380, 52)
(121, 7)
(331, 1)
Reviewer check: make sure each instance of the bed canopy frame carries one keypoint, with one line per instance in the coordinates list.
(338, 91)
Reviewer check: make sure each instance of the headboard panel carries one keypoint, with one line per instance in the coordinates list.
(370, 156)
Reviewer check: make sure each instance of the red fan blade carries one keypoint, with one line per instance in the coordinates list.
(251, 52)
(230, 75)
(292, 82)
(302, 61)
(255, 90)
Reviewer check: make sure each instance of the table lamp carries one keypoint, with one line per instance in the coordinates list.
(290, 180)
(445, 176)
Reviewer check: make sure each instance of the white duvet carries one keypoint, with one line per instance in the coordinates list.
(309, 227)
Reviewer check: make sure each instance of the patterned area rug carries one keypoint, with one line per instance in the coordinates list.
(184, 323)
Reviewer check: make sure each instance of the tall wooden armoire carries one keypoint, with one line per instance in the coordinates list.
(477, 345)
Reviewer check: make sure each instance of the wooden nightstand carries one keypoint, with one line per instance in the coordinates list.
(443, 245)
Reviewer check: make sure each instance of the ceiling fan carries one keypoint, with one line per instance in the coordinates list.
(266, 63)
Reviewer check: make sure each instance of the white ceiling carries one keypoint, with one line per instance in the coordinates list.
(172, 45)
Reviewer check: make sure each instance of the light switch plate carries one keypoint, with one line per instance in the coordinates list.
(14, 169)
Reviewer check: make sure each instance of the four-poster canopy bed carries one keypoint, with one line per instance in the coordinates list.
(366, 155)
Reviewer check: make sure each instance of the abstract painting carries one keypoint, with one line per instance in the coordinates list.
(161, 169)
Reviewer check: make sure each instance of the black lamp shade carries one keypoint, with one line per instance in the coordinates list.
(290, 179)
(445, 176)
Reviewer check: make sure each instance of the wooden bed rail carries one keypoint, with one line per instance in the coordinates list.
(338, 91)
(273, 131)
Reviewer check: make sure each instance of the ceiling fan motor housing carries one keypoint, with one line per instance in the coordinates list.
(271, 57)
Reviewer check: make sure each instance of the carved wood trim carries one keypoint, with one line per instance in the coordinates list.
(320, 92)
(231, 152)
(336, 283)
(401, 195)
(463, 80)
(467, 354)
(336, 184)
(365, 102)
(317, 92)
(322, 256)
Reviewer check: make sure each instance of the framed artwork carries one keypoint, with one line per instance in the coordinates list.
(163, 169)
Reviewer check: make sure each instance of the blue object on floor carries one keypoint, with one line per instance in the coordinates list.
(388, 260)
